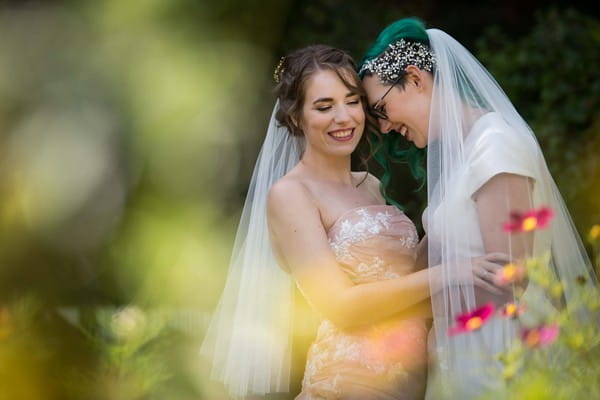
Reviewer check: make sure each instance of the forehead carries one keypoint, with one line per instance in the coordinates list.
(374, 88)
(326, 83)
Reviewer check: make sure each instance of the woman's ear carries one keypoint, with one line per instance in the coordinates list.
(296, 124)
(414, 76)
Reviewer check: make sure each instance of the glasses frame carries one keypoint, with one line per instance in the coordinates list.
(379, 114)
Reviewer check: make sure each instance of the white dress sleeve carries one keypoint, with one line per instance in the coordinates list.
(498, 149)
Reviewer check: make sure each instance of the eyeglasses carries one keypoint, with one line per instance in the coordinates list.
(375, 111)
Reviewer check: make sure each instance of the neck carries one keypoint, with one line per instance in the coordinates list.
(470, 116)
(335, 169)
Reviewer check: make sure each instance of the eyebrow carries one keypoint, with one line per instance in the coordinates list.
(330, 99)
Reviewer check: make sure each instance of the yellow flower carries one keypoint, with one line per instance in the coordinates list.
(512, 310)
(474, 323)
(577, 340)
(556, 290)
(594, 233)
(529, 224)
(509, 371)
(510, 273)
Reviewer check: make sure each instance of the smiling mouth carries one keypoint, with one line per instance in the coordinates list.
(342, 135)
(403, 130)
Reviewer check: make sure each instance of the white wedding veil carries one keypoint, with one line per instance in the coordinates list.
(249, 338)
(466, 95)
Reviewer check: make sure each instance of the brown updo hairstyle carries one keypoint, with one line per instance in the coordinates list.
(297, 68)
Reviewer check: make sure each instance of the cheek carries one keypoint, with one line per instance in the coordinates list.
(419, 112)
(312, 121)
(358, 115)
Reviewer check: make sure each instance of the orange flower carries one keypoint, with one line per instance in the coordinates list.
(473, 320)
(529, 221)
(512, 310)
(510, 273)
(539, 336)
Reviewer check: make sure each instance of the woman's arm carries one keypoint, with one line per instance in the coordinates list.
(495, 200)
(299, 239)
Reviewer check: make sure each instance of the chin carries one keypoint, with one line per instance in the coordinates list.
(344, 151)
(420, 145)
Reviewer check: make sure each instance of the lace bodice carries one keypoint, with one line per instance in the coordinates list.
(374, 243)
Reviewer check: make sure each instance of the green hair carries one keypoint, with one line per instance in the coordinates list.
(388, 148)
(409, 29)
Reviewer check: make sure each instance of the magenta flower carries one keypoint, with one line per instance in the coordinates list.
(539, 336)
(529, 220)
(473, 320)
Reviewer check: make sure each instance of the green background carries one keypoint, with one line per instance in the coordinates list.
(128, 133)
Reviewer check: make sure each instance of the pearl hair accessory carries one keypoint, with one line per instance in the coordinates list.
(279, 70)
(393, 61)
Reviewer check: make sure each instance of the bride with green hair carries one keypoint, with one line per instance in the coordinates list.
(430, 97)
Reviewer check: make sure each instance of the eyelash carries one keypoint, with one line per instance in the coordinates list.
(351, 102)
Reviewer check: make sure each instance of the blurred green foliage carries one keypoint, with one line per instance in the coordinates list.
(565, 367)
(128, 133)
(551, 75)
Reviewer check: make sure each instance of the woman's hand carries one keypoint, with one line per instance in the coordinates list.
(484, 271)
(480, 271)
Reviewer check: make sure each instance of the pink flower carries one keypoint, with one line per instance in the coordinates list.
(393, 341)
(529, 221)
(508, 274)
(473, 320)
(512, 310)
(539, 336)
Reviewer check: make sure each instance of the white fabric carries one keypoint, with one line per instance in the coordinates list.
(249, 338)
(475, 134)
(490, 148)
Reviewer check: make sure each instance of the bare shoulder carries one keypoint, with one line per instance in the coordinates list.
(294, 221)
(373, 185)
(288, 193)
(505, 185)
(373, 180)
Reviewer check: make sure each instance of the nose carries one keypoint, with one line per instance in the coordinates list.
(341, 114)
(385, 126)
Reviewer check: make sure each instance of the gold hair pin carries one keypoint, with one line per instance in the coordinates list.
(279, 70)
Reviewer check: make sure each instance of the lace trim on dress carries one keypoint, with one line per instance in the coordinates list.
(350, 233)
(347, 348)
